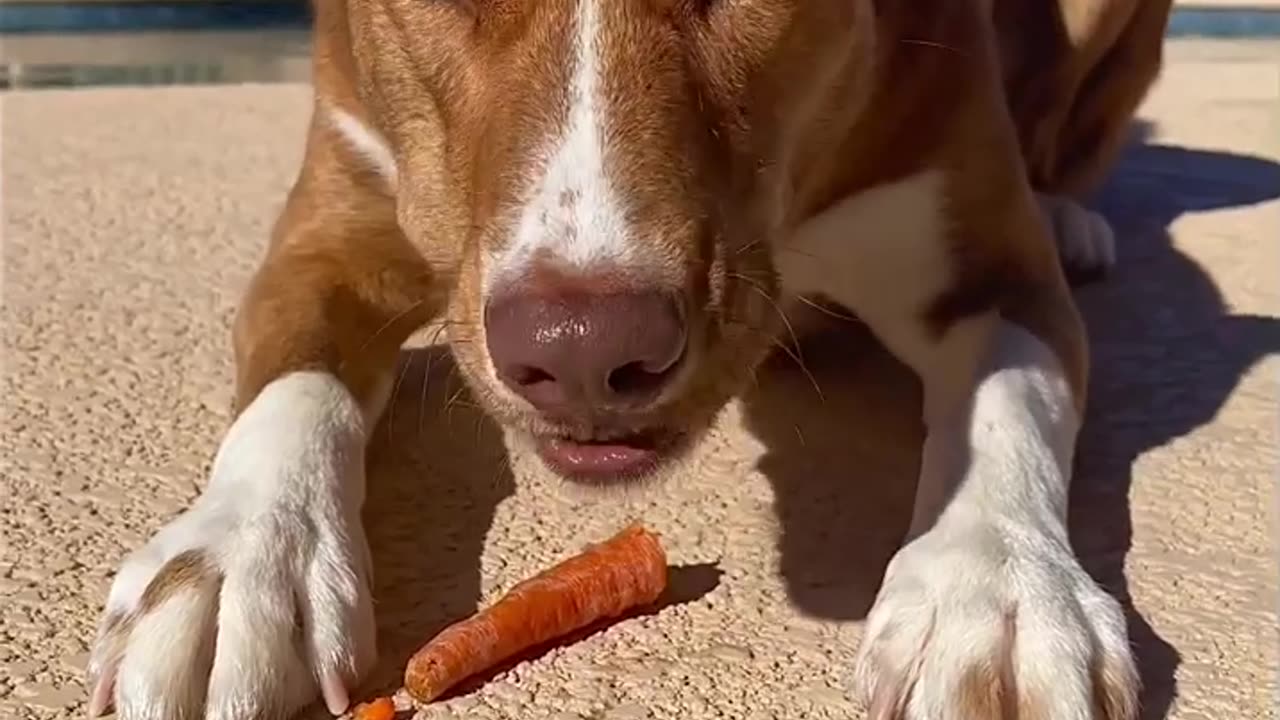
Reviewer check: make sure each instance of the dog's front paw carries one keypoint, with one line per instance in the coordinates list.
(255, 601)
(981, 625)
(1086, 242)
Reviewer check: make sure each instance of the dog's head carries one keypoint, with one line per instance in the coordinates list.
(607, 181)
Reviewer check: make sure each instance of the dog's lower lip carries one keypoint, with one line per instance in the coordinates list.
(600, 462)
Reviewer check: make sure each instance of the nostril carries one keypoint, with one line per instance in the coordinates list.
(635, 378)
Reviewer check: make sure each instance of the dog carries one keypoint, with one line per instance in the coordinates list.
(609, 201)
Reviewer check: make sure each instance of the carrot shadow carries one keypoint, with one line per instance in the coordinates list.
(1166, 352)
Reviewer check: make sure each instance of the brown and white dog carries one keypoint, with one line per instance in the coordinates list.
(608, 200)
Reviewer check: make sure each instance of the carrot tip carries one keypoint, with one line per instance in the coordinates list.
(383, 708)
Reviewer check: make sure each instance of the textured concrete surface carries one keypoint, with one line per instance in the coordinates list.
(132, 218)
(1229, 4)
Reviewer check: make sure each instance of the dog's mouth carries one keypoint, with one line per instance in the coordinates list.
(603, 461)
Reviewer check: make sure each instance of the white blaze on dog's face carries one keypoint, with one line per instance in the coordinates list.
(571, 213)
(607, 180)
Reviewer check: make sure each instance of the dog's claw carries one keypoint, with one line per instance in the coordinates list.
(103, 686)
(104, 665)
(334, 691)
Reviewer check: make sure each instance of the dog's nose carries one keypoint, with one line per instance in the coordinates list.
(586, 351)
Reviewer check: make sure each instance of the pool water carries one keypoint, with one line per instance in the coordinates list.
(59, 45)
(168, 57)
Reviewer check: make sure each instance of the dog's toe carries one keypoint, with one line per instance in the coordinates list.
(152, 658)
(258, 671)
(1086, 242)
(962, 630)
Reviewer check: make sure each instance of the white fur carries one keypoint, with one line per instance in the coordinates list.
(1085, 239)
(593, 228)
(879, 252)
(280, 520)
(990, 579)
(366, 142)
(988, 553)
(180, 631)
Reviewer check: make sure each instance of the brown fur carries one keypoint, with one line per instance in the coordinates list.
(339, 288)
(712, 151)
(1111, 703)
(1075, 72)
(726, 146)
(982, 694)
(732, 123)
(184, 570)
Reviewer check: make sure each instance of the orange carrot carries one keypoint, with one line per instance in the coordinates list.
(384, 708)
(624, 573)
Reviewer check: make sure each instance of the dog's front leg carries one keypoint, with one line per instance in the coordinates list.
(256, 600)
(985, 613)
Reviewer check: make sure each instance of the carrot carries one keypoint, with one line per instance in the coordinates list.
(624, 573)
(384, 708)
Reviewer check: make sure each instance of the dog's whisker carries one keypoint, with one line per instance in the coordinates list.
(395, 392)
(453, 374)
(798, 251)
(748, 246)
(453, 397)
(378, 333)
(933, 44)
(443, 325)
(426, 385)
(795, 339)
(501, 462)
(803, 368)
(426, 377)
(422, 398)
(755, 285)
(825, 310)
(448, 405)
(773, 341)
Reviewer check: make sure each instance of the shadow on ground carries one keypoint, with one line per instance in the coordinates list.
(437, 471)
(1166, 354)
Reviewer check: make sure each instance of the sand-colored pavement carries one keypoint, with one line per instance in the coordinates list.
(133, 217)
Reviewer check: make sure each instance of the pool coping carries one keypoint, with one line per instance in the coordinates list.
(102, 17)
(1190, 20)
(1224, 22)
